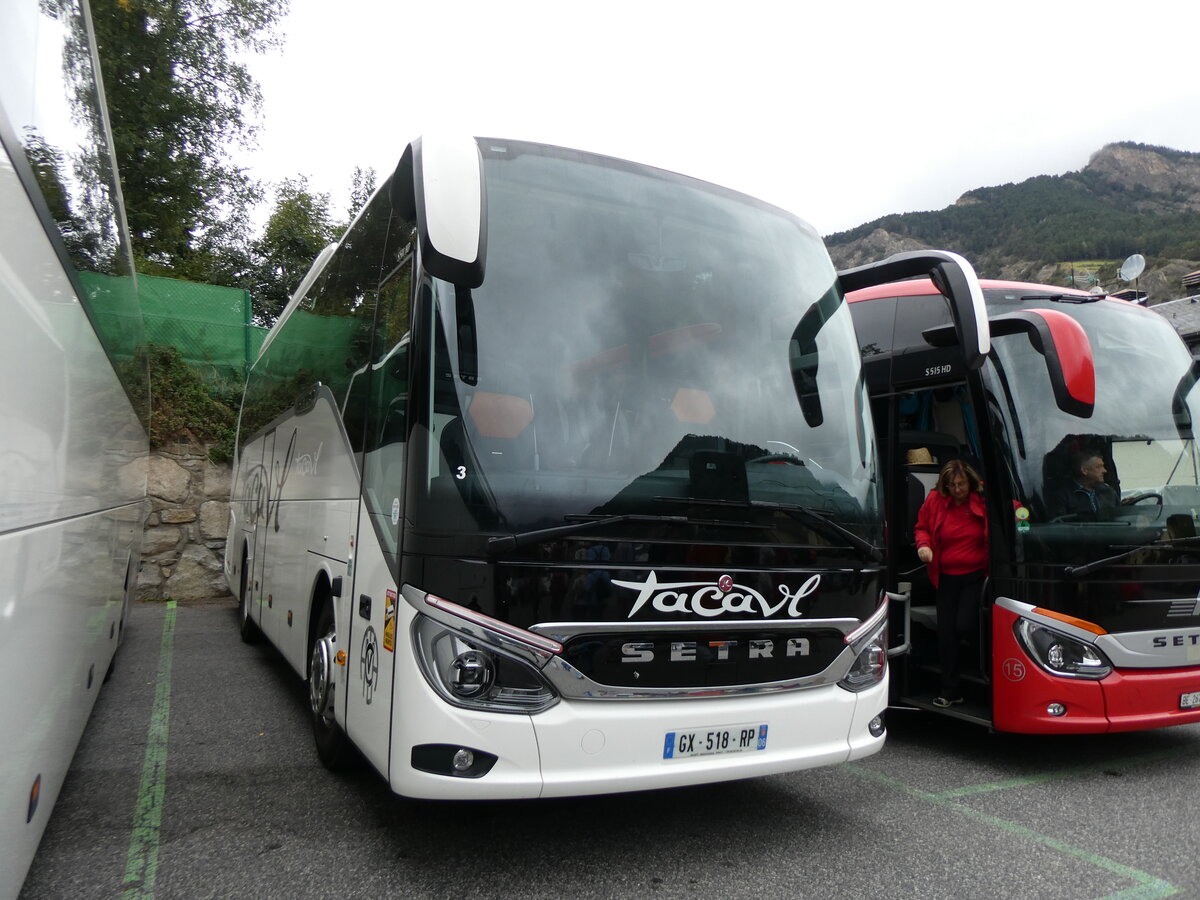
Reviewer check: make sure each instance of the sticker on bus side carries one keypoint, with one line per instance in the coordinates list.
(389, 623)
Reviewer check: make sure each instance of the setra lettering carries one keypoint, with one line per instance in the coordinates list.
(1176, 640)
(724, 651)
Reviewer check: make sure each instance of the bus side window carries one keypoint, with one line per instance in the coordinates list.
(386, 406)
(345, 312)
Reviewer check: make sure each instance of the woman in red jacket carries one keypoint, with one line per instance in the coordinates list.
(951, 535)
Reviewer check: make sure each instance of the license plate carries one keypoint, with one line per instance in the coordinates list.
(712, 741)
(1190, 700)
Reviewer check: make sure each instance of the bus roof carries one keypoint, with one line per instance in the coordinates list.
(923, 286)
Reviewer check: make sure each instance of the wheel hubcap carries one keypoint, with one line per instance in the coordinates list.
(320, 682)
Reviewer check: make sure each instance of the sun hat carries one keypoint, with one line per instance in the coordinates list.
(918, 457)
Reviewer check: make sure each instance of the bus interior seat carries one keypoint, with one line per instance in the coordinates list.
(1180, 525)
(919, 480)
(500, 431)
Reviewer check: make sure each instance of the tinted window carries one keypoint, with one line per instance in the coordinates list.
(386, 407)
(914, 315)
(327, 340)
(873, 321)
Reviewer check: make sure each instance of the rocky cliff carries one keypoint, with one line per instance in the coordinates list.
(1170, 180)
(1129, 198)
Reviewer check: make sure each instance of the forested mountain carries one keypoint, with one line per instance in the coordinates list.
(1130, 198)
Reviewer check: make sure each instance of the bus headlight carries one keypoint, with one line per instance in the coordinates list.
(472, 674)
(871, 663)
(1060, 654)
(468, 673)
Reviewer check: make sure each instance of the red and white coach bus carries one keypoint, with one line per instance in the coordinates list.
(1089, 622)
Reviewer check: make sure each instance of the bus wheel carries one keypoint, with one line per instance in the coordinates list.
(333, 747)
(247, 628)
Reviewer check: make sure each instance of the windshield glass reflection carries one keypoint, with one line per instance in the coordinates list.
(641, 338)
(1126, 475)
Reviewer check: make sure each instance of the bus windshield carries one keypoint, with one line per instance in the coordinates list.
(642, 343)
(1140, 432)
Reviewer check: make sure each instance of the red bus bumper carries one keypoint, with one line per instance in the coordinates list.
(1125, 700)
(1149, 698)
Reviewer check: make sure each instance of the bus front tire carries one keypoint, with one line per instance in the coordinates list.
(333, 747)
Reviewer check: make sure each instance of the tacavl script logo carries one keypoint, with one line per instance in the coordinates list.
(709, 599)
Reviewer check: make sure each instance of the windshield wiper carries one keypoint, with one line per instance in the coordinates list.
(816, 520)
(1075, 571)
(512, 541)
(1065, 298)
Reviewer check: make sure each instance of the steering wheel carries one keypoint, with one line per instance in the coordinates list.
(1138, 498)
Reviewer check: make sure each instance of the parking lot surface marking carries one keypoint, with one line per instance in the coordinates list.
(142, 860)
(1146, 886)
(1073, 772)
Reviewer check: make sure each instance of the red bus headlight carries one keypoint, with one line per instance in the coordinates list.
(1059, 653)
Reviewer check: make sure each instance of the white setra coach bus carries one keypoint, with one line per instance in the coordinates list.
(557, 476)
(72, 454)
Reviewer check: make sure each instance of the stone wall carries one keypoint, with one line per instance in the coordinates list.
(184, 544)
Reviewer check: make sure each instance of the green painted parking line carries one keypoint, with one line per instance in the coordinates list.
(1073, 772)
(1146, 886)
(141, 863)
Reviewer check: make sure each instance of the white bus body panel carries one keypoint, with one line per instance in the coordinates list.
(422, 717)
(366, 715)
(295, 495)
(72, 506)
(595, 747)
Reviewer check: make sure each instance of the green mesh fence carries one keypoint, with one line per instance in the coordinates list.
(315, 344)
(208, 325)
(112, 303)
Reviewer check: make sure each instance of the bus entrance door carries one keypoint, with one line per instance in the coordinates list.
(371, 649)
(268, 504)
(928, 428)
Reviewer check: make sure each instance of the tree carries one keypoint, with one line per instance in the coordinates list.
(298, 229)
(362, 186)
(91, 244)
(179, 97)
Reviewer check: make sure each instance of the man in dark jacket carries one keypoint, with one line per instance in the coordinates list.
(1088, 497)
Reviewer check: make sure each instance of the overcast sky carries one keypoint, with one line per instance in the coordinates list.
(840, 112)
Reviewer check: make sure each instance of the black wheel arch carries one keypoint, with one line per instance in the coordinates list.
(322, 593)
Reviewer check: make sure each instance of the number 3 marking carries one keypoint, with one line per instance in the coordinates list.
(460, 473)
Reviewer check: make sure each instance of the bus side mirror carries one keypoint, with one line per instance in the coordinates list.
(439, 184)
(1067, 351)
(805, 358)
(1179, 407)
(954, 278)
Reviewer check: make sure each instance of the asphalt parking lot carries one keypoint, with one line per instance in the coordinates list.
(196, 778)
